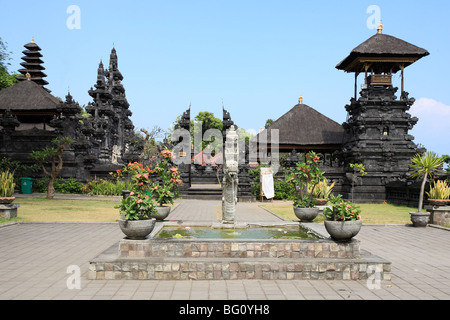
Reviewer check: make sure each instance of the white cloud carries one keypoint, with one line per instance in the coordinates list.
(432, 130)
(429, 108)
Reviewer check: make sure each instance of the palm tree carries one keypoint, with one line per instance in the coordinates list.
(425, 165)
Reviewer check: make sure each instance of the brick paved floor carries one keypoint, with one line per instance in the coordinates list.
(34, 260)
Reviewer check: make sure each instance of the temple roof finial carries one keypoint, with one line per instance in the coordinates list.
(380, 28)
(300, 100)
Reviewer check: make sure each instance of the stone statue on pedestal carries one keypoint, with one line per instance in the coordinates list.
(230, 177)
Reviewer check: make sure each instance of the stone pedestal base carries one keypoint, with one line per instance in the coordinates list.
(440, 215)
(8, 211)
(229, 225)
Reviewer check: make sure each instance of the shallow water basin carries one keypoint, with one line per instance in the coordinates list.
(278, 232)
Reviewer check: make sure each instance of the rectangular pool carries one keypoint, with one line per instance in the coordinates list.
(278, 232)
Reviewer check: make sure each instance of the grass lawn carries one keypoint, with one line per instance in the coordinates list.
(59, 210)
(370, 213)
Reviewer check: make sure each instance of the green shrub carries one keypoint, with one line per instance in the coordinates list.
(40, 185)
(7, 184)
(70, 185)
(282, 188)
(440, 190)
(97, 187)
(18, 169)
(66, 186)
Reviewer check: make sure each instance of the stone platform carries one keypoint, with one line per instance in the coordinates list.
(228, 259)
(439, 215)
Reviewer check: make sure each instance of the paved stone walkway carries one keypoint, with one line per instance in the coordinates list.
(211, 210)
(35, 258)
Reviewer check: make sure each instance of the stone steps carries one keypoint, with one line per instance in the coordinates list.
(204, 192)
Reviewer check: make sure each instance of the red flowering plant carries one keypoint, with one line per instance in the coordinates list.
(166, 190)
(340, 210)
(304, 179)
(141, 176)
(138, 205)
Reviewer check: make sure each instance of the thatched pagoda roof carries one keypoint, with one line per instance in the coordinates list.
(382, 46)
(303, 126)
(27, 96)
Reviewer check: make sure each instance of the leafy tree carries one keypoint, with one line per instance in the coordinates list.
(52, 156)
(4, 54)
(268, 123)
(446, 159)
(208, 121)
(425, 165)
(247, 135)
(6, 79)
(150, 144)
(357, 168)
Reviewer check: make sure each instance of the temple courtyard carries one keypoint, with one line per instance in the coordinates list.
(41, 260)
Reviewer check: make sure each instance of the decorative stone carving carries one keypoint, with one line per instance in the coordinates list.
(230, 176)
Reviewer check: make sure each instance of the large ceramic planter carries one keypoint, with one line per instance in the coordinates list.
(343, 230)
(163, 213)
(420, 219)
(137, 229)
(7, 200)
(438, 202)
(321, 202)
(306, 214)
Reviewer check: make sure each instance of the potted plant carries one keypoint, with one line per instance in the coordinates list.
(7, 186)
(166, 190)
(322, 192)
(304, 179)
(343, 219)
(424, 165)
(135, 215)
(439, 194)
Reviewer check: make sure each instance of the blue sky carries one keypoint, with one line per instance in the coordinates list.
(257, 57)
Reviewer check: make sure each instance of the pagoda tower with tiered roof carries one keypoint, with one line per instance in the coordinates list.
(119, 101)
(109, 124)
(33, 69)
(376, 132)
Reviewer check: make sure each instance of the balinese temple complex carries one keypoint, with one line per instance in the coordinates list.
(376, 132)
(30, 118)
